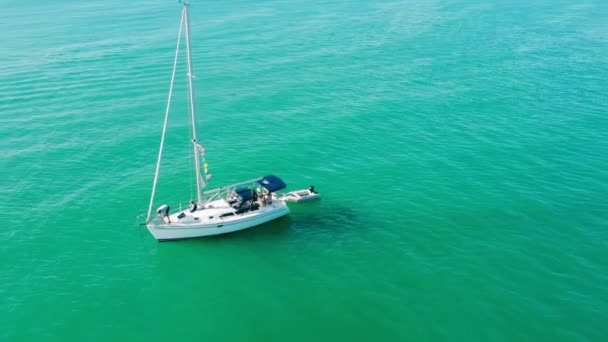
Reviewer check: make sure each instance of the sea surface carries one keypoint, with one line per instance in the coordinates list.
(460, 147)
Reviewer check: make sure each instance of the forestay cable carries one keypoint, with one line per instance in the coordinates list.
(162, 139)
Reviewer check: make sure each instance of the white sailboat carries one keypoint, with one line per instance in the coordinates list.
(223, 210)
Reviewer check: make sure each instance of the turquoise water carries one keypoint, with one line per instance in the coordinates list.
(460, 149)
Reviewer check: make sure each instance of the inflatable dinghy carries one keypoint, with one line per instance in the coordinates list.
(300, 196)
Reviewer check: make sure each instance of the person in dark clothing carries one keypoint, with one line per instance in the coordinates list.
(312, 189)
(193, 206)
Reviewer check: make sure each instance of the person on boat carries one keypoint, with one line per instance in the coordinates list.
(163, 212)
(193, 206)
(312, 189)
(267, 199)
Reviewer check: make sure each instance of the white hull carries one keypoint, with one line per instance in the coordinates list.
(206, 222)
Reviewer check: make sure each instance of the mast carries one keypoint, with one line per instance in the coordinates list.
(197, 165)
(162, 138)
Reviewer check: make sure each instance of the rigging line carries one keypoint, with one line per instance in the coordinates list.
(191, 174)
(191, 184)
(197, 166)
(162, 139)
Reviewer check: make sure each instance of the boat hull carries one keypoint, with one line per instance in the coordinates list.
(177, 231)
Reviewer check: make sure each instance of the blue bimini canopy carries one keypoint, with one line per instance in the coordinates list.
(244, 193)
(272, 183)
